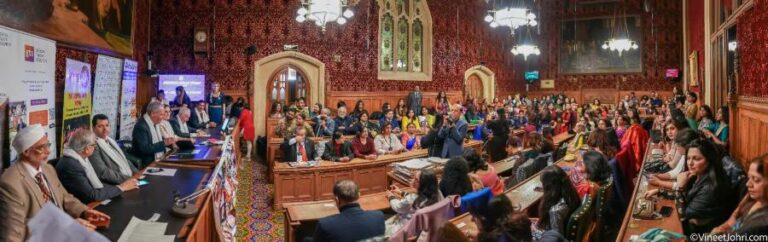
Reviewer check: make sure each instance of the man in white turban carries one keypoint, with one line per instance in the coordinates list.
(31, 183)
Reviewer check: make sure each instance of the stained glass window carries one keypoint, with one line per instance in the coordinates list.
(402, 44)
(405, 45)
(387, 39)
(418, 45)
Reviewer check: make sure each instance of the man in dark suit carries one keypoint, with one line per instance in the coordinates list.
(338, 149)
(453, 133)
(414, 100)
(352, 223)
(148, 143)
(180, 124)
(299, 148)
(199, 117)
(77, 174)
(108, 160)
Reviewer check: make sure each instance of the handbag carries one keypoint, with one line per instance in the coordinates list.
(644, 209)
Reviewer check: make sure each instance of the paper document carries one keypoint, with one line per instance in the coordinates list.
(51, 224)
(414, 164)
(141, 231)
(164, 172)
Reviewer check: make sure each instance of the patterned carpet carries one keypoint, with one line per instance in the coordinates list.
(256, 221)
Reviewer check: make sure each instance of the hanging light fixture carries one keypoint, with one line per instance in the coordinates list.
(323, 12)
(527, 48)
(620, 40)
(514, 16)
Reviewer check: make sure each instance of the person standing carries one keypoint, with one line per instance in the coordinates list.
(414, 100)
(453, 132)
(181, 100)
(245, 120)
(216, 104)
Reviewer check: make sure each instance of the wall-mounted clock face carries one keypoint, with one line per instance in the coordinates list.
(201, 36)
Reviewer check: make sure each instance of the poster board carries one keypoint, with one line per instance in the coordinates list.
(77, 98)
(106, 90)
(28, 71)
(129, 113)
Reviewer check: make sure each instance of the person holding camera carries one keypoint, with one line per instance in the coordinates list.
(453, 131)
(324, 124)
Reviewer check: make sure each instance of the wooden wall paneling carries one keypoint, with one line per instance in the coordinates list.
(374, 100)
(749, 129)
(297, 186)
(327, 180)
(371, 180)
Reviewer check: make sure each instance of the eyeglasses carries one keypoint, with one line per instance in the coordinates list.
(42, 147)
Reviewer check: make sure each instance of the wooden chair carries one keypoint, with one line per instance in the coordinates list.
(581, 222)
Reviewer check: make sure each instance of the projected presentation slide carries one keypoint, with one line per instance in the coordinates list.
(193, 84)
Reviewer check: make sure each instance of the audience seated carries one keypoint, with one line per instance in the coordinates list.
(597, 172)
(754, 204)
(675, 158)
(387, 143)
(719, 129)
(338, 149)
(389, 117)
(363, 121)
(343, 122)
(411, 139)
(200, 118)
(362, 145)
(299, 148)
(108, 160)
(78, 175)
(358, 110)
(557, 204)
(425, 118)
(410, 118)
(483, 174)
(455, 180)
(324, 123)
(30, 183)
(352, 223)
(702, 192)
(405, 204)
(500, 222)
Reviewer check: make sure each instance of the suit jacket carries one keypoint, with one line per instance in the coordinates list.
(176, 125)
(351, 224)
(72, 175)
(106, 168)
(21, 199)
(330, 153)
(194, 122)
(414, 102)
(143, 148)
(454, 139)
(290, 153)
(433, 143)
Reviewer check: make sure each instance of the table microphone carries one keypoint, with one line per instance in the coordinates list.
(182, 207)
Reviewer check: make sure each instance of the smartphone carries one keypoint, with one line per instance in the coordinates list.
(666, 211)
(143, 183)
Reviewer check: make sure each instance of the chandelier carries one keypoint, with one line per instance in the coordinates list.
(620, 45)
(620, 40)
(323, 12)
(526, 49)
(512, 17)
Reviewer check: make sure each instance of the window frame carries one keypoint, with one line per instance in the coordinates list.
(417, 9)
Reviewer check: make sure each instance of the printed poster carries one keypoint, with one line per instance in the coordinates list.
(128, 110)
(27, 77)
(77, 98)
(106, 90)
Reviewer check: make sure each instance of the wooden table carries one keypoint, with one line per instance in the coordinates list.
(632, 226)
(306, 213)
(523, 195)
(316, 183)
(560, 138)
(206, 157)
(465, 223)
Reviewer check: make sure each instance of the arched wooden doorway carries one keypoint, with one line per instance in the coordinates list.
(287, 85)
(473, 88)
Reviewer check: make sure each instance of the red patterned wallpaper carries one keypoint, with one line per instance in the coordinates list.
(753, 56)
(141, 42)
(696, 35)
(662, 45)
(461, 40)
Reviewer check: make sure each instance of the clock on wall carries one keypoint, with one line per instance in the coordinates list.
(201, 40)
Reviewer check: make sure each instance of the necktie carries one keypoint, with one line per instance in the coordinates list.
(43, 187)
(303, 152)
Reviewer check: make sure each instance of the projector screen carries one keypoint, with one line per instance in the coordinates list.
(193, 84)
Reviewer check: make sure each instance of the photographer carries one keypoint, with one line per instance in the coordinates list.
(324, 124)
(453, 131)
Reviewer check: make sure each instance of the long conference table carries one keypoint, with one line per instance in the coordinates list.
(157, 197)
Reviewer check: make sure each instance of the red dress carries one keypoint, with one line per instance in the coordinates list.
(246, 123)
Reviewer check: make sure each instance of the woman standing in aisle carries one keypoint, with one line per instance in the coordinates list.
(216, 104)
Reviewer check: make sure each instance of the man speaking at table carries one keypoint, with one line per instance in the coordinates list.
(30, 183)
(148, 143)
